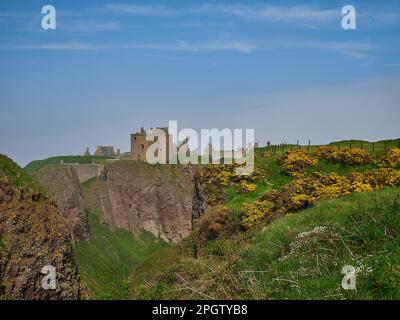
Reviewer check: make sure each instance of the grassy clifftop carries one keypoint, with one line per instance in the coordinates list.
(35, 165)
(16, 176)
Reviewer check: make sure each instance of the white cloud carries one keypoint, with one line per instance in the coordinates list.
(352, 49)
(299, 15)
(214, 45)
(141, 10)
(89, 26)
(52, 46)
(302, 15)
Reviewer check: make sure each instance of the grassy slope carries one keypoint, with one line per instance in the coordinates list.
(17, 177)
(378, 147)
(373, 212)
(362, 230)
(276, 178)
(107, 259)
(34, 166)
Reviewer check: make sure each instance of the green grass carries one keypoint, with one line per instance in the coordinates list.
(375, 148)
(362, 230)
(17, 177)
(34, 166)
(325, 167)
(275, 179)
(236, 199)
(86, 184)
(106, 260)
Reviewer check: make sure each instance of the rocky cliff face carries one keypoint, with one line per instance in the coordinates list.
(134, 196)
(200, 201)
(33, 234)
(64, 186)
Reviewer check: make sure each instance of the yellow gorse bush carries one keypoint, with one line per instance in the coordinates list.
(246, 187)
(295, 163)
(347, 156)
(214, 178)
(391, 158)
(253, 213)
(302, 192)
(325, 152)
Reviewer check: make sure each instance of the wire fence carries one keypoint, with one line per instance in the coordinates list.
(372, 147)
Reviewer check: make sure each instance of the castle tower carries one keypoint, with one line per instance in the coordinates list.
(139, 145)
(87, 152)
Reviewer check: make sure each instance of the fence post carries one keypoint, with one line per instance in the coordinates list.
(373, 146)
(385, 146)
(362, 146)
(350, 145)
(309, 144)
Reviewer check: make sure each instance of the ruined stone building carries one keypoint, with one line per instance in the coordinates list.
(105, 151)
(87, 152)
(139, 145)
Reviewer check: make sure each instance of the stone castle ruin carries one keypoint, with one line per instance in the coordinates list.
(139, 144)
(105, 151)
(139, 147)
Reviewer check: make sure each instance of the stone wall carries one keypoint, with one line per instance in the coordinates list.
(87, 171)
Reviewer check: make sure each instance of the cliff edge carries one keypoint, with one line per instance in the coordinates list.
(33, 234)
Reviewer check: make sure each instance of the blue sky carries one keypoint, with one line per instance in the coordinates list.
(285, 68)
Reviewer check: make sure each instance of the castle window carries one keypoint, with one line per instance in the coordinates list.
(134, 138)
(142, 146)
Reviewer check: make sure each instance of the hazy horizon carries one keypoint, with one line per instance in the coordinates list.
(284, 68)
